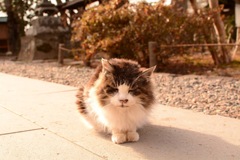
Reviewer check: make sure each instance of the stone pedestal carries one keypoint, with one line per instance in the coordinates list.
(42, 39)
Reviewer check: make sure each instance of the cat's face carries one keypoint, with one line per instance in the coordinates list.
(124, 84)
(121, 95)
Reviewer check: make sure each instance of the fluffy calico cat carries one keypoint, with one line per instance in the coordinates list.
(117, 99)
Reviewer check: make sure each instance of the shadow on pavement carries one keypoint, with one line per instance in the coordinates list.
(158, 142)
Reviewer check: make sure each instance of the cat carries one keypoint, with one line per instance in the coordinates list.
(117, 99)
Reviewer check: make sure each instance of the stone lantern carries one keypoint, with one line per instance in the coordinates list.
(44, 35)
(46, 7)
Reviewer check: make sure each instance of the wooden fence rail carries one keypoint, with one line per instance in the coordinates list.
(198, 45)
(61, 55)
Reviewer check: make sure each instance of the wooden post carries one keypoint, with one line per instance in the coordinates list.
(152, 47)
(60, 54)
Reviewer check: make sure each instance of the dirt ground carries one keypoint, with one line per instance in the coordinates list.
(201, 65)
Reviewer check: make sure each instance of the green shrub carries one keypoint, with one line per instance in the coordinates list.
(126, 31)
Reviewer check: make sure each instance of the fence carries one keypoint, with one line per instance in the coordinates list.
(61, 48)
(154, 49)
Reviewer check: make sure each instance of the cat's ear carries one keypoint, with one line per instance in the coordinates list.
(107, 67)
(145, 74)
(148, 72)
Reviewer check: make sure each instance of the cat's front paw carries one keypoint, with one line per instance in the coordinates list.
(132, 136)
(119, 138)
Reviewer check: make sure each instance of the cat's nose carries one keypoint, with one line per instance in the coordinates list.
(123, 100)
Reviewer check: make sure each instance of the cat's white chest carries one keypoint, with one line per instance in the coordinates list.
(129, 118)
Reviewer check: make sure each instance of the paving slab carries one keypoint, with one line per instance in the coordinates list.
(41, 145)
(26, 85)
(173, 133)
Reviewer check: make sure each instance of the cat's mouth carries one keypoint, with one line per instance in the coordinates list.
(123, 106)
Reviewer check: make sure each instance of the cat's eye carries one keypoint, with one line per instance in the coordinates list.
(130, 91)
(135, 91)
(110, 90)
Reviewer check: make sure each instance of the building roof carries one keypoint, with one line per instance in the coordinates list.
(74, 4)
(3, 19)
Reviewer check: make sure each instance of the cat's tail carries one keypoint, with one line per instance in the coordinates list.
(80, 101)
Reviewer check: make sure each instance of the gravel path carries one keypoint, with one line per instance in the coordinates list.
(209, 94)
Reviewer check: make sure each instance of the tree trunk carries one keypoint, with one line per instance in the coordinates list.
(180, 5)
(237, 48)
(13, 26)
(59, 2)
(208, 39)
(120, 3)
(237, 21)
(225, 56)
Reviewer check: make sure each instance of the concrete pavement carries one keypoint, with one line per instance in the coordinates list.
(39, 120)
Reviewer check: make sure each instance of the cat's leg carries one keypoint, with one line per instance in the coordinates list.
(119, 136)
(132, 136)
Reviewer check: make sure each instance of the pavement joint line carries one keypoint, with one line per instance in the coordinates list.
(72, 142)
(21, 116)
(28, 130)
(46, 129)
(58, 91)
